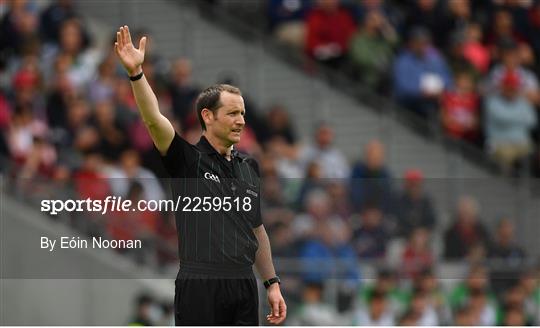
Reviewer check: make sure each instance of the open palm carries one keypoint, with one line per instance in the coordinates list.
(130, 57)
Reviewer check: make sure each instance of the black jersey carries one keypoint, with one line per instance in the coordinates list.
(219, 207)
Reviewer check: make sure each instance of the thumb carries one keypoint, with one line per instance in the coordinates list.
(142, 44)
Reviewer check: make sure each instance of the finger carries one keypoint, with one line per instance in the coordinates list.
(128, 35)
(142, 45)
(116, 48)
(119, 39)
(122, 38)
(282, 309)
(275, 309)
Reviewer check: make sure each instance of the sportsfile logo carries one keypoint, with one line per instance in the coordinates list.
(212, 177)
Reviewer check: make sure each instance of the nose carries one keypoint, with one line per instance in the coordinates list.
(240, 121)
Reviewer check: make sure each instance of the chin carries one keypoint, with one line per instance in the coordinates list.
(234, 139)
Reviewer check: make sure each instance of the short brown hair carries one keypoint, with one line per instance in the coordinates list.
(209, 99)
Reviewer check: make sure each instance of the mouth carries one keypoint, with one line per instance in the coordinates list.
(236, 130)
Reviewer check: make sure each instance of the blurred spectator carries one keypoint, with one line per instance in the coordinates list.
(314, 311)
(329, 28)
(509, 118)
(423, 311)
(286, 21)
(89, 179)
(61, 94)
(420, 74)
(82, 60)
(371, 237)
(464, 317)
(457, 62)
(24, 129)
(333, 163)
(502, 28)
(476, 280)
(54, 16)
(458, 15)
(506, 256)
(415, 207)
(328, 255)
(312, 181)
(377, 313)
(317, 208)
(417, 255)
(483, 311)
(465, 232)
(391, 13)
(371, 180)
(371, 50)
(513, 307)
(534, 25)
(427, 282)
(129, 171)
(460, 112)
(473, 48)
(441, 18)
(18, 28)
(182, 92)
(530, 284)
(102, 85)
(511, 62)
(515, 317)
(143, 308)
(386, 283)
(278, 126)
(339, 196)
(134, 224)
(112, 140)
(283, 243)
(27, 86)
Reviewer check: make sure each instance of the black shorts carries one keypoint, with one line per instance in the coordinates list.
(210, 301)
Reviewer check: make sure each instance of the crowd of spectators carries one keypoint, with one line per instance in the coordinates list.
(68, 118)
(470, 67)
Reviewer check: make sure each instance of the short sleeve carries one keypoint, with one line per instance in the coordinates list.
(257, 219)
(177, 156)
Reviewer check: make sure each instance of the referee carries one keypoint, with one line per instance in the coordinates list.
(220, 233)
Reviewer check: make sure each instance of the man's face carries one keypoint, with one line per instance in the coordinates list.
(228, 120)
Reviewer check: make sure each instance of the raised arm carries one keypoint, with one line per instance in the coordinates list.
(160, 128)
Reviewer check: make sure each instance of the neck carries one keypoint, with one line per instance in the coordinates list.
(221, 147)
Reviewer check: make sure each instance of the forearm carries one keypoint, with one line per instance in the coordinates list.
(263, 259)
(159, 127)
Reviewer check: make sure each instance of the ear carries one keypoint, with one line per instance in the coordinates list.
(207, 115)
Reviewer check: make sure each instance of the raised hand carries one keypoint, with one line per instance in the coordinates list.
(130, 57)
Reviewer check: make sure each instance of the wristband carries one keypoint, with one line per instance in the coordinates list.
(136, 77)
(271, 281)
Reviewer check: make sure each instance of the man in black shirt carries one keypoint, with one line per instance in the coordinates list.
(219, 223)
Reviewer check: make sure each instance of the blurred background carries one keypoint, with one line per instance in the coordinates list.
(398, 141)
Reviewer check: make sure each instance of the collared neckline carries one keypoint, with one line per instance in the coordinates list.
(205, 146)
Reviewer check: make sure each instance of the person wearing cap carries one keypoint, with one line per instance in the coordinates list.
(510, 60)
(509, 119)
